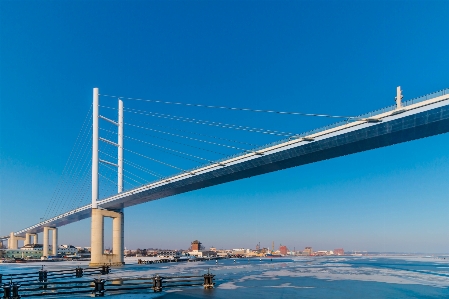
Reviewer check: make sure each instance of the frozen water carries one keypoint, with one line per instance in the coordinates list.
(311, 277)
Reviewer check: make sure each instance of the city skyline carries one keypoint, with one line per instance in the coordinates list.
(345, 63)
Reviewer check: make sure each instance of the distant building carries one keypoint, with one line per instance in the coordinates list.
(224, 253)
(203, 253)
(83, 249)
(283, 249)
(238, 252)
(339, 251)
(196, 245)
(169, 254)
(67, 249)
(307, 251)
(35, 251)
(197, 250)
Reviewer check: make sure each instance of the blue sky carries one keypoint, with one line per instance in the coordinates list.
(334, 57)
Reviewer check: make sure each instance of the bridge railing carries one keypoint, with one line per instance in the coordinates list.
(426, 97)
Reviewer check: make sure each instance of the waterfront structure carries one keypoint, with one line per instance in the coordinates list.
(196, 245)
(283, 249)
(223, 253)
(323, 252)
(169, 254)
(36, 251)
(405, 121)
(307, 251)
(203, 253)
(339, 251)
(196, 250)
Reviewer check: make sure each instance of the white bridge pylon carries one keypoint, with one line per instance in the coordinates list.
(97, 226)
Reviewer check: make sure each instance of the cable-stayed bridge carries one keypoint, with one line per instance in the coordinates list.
(405, 121)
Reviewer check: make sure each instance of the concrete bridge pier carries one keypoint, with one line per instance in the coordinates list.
(13, 241)
(98, 258)
(28, 238)
(54, 239)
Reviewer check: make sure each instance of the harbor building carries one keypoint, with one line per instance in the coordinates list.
(196, 245)
(35, 251)
(339, 251)
(169, 254)
(283, 249)
(196, 250)
(307, 251)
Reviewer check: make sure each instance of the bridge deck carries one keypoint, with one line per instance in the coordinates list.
(418, 119)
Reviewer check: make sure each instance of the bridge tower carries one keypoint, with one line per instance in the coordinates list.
(98, 257)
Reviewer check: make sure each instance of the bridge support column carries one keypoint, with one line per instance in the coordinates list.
(13, 243)
(45, 245)
(35, 239)
(20, 239)
(98, 258)
(55, 241)
(46, 241)
(27, 239)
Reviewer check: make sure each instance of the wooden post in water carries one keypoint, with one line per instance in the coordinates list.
(208, 280)
(157, 284)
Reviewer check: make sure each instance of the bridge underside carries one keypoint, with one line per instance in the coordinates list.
(432, 121)
(416, 126)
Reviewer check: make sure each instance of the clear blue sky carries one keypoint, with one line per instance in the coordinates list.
(335, 57)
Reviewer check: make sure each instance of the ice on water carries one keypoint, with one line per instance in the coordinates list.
(297, 274)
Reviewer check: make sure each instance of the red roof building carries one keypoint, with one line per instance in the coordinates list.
(339, 251)
(283, 249)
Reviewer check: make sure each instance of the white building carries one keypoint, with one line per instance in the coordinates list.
(35, 251)
(169, 254)
(203, 253)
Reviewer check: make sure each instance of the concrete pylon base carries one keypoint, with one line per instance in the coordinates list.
(117, 264)
(98, 258)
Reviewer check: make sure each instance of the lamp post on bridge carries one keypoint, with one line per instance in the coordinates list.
(398, 98)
